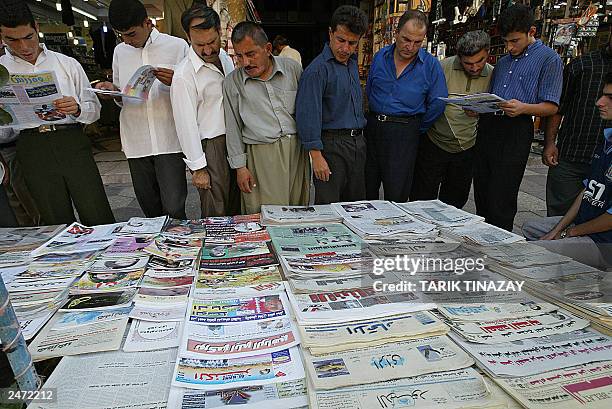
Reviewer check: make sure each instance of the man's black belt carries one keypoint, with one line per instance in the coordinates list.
(343, 132)
(397, 119)
(53, 128)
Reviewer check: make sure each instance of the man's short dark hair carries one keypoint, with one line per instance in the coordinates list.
(249, 29)
(417, 17)
(350, 17)
(280, 41)
(516, 19)
(200, 10)
(125, 14)
(609, 78)
(15, 13)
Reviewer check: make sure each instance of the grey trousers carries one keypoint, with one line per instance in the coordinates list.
(582, 249)
(223, 197)
(563, 184)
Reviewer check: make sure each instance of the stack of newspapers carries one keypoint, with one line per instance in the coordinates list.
(272, 215)
(382, 220)
(579, 288)
(239, 342)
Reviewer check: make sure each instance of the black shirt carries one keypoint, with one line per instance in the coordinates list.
(583, 80)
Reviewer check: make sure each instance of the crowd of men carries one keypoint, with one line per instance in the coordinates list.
(259, 132)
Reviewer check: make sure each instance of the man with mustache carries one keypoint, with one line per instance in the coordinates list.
(403, 87)
(259, 102)
(445, 160)
(197, 103)
(329, 112)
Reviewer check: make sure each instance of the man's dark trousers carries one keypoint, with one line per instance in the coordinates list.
(391, 155)
(443, 175)
(345, 153)
(160, 184)
(502, 149)
(59, 171)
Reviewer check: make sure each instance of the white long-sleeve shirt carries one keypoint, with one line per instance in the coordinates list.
(71, 79)
(197, 103)
(147, 127)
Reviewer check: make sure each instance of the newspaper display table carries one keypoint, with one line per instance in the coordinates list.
(357, 305)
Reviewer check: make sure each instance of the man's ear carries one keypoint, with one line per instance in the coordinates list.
(532, 31)
(269, 48)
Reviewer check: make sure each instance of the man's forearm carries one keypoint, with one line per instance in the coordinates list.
(552, 129)
(571, 214)
(542, 109)
(597, 225)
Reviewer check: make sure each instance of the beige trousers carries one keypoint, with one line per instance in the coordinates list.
(282, 174)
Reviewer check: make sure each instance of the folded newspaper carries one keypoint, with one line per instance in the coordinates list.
(482, 103)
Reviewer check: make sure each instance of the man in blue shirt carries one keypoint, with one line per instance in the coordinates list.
(530, 79)
(329, 112)
(585, 232)
(403, 87)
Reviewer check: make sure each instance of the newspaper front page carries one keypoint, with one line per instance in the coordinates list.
(383, 363)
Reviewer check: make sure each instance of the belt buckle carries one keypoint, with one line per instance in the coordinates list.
(499, 113)
(382, 117)
(355, 132)
(46, 128)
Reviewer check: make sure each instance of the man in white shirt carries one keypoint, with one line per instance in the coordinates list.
(57, 161)
(148, 134)
(283, 49)
(197, 102)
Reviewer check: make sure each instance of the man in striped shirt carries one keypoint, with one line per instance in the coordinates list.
(530, 79)
(579, 137)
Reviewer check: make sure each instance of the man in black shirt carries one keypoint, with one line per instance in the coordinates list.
(579, 137)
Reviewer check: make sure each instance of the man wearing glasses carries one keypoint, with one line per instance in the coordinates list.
(148, 134)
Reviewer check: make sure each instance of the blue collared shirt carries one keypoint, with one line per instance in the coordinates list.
(533, 77)
(329, 97)
(415, 92)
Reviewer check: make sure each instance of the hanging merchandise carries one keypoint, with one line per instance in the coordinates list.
(564, 34)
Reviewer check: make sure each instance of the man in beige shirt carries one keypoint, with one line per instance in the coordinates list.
(444, 162)
(282, 48)
(259, 105)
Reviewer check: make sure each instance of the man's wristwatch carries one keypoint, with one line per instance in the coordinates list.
(564, 233)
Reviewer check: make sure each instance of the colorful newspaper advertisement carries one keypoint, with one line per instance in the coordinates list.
(586, 386)
(398, 360)
(237, 340)
(460, 389)
(138, 87)
(238, 310)
(251, 282)
(26, 101)
(537, 355)
(210, 375)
